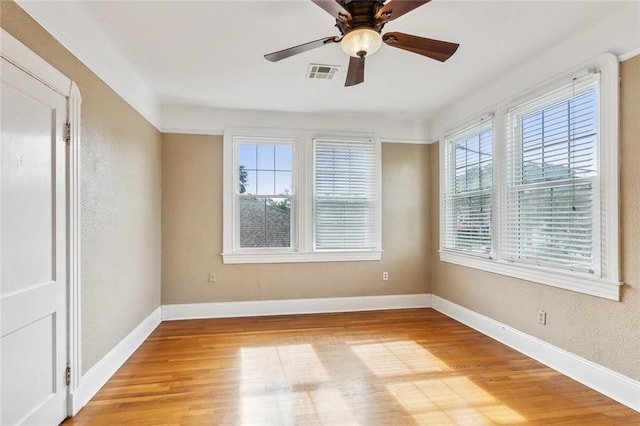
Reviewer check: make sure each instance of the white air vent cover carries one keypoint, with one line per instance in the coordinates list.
(322, 72)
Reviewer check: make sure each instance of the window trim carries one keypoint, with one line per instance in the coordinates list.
(608, 284)
(302, 235)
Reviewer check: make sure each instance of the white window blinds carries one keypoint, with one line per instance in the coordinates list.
(552, 210)
(468, 189)
(345, 194)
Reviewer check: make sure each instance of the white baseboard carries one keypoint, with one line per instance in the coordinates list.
(614, 385)
(100, 373)
(293, 306)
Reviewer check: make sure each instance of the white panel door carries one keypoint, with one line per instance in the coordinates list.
(33, 286)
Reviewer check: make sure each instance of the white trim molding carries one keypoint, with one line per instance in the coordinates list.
(594, 287)
(614, 385)
(74, 101)
(294, 306)
(100, 373)
(630, 54)
(294, 257)
(28, 61)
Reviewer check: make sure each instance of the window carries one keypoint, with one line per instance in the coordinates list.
(552, 207)
(468, 199)
(345, 195)
(300, 197)
(264, 195)
(538, 199)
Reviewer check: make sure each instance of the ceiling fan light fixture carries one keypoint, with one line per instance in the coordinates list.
(360, 40)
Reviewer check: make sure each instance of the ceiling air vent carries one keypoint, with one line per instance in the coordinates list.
(322, 72)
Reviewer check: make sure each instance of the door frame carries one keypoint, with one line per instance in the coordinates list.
(28, 61)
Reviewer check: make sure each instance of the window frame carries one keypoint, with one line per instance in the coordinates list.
(302, 214)
(239, 140)
(515, 116)
(607, 284)
(376, 196)
(475, 127)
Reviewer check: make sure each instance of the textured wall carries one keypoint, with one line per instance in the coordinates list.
(120, 189)
(192, 233)
(599, 330)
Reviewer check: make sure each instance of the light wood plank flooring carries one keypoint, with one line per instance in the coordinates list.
(412, 366)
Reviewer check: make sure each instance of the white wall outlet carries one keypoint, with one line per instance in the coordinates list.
(212, 277)
(542, 317)
(385, 276)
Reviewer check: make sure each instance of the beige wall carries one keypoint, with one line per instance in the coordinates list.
(120, 190)
(192, 234)
(599, 330)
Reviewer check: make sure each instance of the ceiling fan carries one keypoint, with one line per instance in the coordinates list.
(360, 23)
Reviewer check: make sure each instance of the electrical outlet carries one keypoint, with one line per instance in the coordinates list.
(542, 317)
(385, 276)
(212, 277)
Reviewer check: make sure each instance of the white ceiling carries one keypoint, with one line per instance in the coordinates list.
(210, 53)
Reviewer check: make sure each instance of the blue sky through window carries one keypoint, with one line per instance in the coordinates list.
(269, 168)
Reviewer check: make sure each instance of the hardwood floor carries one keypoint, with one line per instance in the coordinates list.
(412, 366)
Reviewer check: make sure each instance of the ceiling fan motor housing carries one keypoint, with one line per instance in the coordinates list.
(363, 15)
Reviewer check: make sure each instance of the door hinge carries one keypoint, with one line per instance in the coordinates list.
(68, 375)
(67, 132)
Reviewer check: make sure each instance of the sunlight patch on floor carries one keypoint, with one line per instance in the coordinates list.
(398, 358)
(275, 367)
(283, 385)
(453, 400)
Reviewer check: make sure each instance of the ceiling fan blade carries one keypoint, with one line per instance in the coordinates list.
(334, 9)
(355, 74)
(396, 8)
(435, 49)
(283, 54)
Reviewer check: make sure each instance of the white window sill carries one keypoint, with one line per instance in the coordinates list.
(582, 284)
(296, 257)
